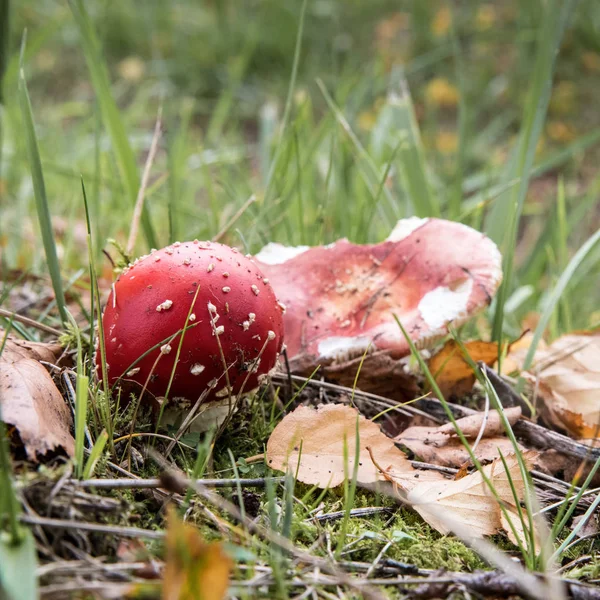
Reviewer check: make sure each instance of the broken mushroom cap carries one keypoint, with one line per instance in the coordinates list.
(341, 299)
(226, 305)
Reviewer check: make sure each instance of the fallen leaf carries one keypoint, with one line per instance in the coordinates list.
(590, 525)
(468, 502)
(341, 299)
(442, 446)
(518, 528)
(310, 442)
(566, 377)
(194, 569)
(30, 400)
(453, 373)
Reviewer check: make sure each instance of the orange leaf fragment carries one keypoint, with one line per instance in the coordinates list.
(194, 569)
(452, 372)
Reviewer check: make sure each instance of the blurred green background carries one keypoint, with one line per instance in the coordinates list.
(399, 108)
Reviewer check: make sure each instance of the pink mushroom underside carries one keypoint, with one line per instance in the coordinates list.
(342, 297)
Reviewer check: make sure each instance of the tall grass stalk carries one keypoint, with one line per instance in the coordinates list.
(503, 221)
(41, 200)
(4, 53)
(111, 115)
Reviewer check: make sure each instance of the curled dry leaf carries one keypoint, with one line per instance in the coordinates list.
(453, 373)
(468, 502)
(442, 446)
(341, 299)
(568, 382)
(193, 568)
(311, 442)
(31, 401)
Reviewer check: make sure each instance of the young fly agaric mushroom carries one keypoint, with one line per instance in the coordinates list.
(235, 320)
(341, 299)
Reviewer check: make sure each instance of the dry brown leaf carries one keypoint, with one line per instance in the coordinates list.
(441, 445)
(468, 502)
(518, 527)
(30, 400)
(194, 569)
(315, 438)
(569, 384)
(452, 373)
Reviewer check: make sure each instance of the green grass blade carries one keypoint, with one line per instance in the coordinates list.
(9, 506)
(367, 166)
(4, 52)
(413, 166)
(288, 103)
(4, 41)
(503, 221)
(18, 565)
(41, 200)
(456, 194)
(81, 396)
(95, 454)
(562, 233)
(557, 293)
(110, 113)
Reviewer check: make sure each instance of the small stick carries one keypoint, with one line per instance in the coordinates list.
(133, 532)
(139, 203)
(31, 322)
(134, 484)
(407, 409)
(235, 217)
(355, 512)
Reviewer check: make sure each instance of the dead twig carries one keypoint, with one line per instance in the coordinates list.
(235, 217)
(30, 322)
(133, 484)
(133, 532)
(355, 512)
(139, 203)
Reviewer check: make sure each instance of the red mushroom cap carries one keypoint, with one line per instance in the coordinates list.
(341, 298)
(234, 308)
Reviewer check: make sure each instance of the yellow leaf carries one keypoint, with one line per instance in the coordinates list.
(194, 569)
(452, 373)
